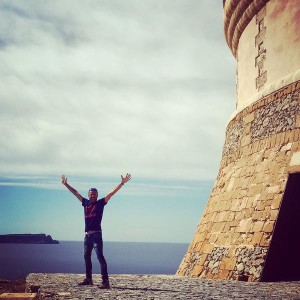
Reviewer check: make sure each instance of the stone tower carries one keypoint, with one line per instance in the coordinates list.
(250, 229)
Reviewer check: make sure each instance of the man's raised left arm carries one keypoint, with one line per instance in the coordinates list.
(123, 181)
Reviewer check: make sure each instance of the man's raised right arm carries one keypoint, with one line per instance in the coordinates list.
(64, 180)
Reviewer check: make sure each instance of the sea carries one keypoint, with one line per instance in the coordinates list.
(18, 260)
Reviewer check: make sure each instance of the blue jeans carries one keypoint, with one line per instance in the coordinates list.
(95, 241)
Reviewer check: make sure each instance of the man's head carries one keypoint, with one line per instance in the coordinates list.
(93, 194)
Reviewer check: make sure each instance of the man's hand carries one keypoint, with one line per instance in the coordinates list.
(64, 180)
(126, 178)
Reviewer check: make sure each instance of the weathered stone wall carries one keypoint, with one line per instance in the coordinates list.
(262, 146)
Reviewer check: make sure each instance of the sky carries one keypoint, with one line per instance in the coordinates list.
(95, 89)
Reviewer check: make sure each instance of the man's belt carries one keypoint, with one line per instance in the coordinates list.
(92, 231)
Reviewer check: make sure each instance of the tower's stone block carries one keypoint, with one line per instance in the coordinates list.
(250, 227)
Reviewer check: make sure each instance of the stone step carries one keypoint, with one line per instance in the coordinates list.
(18, 296)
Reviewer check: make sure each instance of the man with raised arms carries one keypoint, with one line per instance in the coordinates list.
(93, 211)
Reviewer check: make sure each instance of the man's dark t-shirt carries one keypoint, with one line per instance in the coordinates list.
(93, 212)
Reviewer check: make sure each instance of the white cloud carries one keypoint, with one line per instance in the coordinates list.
(100, 88)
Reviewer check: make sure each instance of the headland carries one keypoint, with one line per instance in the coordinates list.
(27, 239)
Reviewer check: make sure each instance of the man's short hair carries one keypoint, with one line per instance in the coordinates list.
(93, 190)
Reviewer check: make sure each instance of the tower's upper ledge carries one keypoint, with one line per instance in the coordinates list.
(237, 15)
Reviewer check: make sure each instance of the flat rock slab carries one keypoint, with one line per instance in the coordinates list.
(18, 296)
(65, 286)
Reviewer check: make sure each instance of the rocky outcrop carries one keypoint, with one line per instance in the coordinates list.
(27, 239)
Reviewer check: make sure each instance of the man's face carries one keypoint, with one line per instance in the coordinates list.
(93, 195)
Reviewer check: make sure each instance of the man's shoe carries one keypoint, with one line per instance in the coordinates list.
(104, 286)
(86, 281)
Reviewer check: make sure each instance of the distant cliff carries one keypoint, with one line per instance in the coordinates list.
(27, 239)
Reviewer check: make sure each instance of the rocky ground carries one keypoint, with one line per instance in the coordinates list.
(12, 286)
(142, 287)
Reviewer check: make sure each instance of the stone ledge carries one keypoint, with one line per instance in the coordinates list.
(18, 296)
(64, 286)
(277, 89)
(237, 15)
